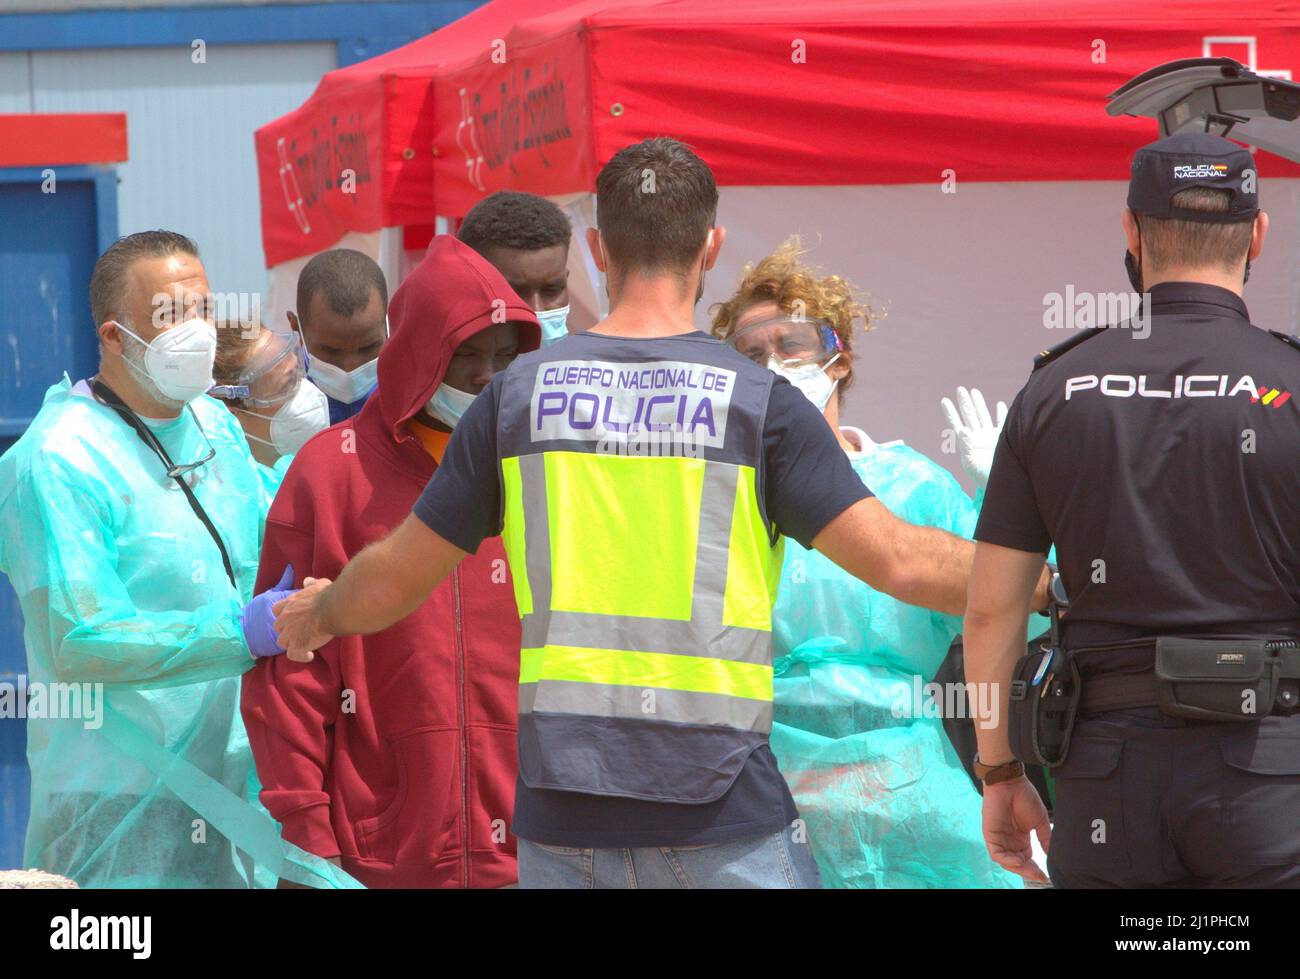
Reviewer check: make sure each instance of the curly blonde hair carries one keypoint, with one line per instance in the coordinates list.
(784, 279)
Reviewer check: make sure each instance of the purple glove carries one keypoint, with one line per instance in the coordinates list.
(258, 621)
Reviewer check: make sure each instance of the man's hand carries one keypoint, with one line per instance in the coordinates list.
(1011, 810)
(298, 621)
(382, 585)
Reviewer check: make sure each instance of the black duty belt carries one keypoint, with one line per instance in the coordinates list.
(1187, 670)
(1118, 691)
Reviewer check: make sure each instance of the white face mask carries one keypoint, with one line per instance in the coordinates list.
(179, 360)
(811, 379)
(448, 404)
(305, 413)
(347, 387)
(554, 323)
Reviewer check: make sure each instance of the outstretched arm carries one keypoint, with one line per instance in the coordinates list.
(917, 565)
(383, 584)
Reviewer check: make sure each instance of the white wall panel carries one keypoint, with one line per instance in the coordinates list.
(190, 130)
(961, 278)
(15, 82)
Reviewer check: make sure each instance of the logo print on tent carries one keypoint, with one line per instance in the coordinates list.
(289, 184)
(474, 163)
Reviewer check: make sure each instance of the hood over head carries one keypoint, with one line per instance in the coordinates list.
(452, 294)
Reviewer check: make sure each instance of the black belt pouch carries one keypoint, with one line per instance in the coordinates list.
(1215, 679)
(1040, 718)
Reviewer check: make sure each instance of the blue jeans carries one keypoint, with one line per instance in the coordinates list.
(772, 860)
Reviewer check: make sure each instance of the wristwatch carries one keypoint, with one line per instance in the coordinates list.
(993, 774)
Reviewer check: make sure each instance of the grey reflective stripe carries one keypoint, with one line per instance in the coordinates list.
(646, 704)
(537, 536)
(717, 503)
(704, 635)
(644, 635)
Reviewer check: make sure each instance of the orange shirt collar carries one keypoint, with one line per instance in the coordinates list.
(434, 441)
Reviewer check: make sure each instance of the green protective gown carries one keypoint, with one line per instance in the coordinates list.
(273, 476)
(150, 783)
(884, 796)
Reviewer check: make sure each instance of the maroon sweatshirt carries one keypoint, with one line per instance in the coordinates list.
(396, 751)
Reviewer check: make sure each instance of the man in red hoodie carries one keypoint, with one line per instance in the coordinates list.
(394, 753)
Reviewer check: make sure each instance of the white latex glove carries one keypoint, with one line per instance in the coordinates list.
(977, 435)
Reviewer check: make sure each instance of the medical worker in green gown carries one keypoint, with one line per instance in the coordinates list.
(136, 594)
(261, 377)
(884, 797)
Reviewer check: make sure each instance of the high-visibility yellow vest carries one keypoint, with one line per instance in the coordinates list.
(644, 568)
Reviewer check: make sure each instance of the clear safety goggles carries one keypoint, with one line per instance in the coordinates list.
(793, 342)
(271, 376)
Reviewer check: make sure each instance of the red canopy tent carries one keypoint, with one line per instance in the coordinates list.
(374, 118)
(954, 157)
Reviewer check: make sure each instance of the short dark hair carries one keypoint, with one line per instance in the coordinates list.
(514, 219)
(109, 279)
(1172, 242)
(655, 202)
(345, 277)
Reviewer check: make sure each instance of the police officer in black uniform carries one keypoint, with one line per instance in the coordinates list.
(1162, 458)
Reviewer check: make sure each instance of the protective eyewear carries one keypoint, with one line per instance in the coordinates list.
(793, 342)
(175, 471)
(271, 376)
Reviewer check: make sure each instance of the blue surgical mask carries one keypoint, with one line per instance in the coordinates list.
(554, 324)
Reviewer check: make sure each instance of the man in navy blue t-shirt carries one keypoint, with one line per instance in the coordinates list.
(685, 792)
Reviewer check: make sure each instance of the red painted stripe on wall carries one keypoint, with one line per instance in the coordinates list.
(68, 139)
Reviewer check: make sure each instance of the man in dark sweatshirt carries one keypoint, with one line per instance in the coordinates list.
(394, 753)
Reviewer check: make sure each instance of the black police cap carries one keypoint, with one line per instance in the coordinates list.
(1179, 162)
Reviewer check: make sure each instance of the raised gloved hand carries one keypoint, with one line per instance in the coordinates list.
(258, 621)
(977, 435)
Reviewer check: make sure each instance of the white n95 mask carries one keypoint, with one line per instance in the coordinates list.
(448, 404)
(305, 413)
(554, 324)
(179, 360)
(811, 379)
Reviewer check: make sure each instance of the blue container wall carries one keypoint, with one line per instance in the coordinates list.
(48, 245)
